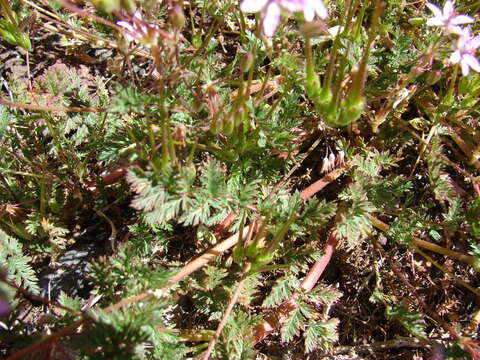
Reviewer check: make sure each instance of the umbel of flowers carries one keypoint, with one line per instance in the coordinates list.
(466, 43)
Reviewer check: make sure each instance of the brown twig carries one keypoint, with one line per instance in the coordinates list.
(419, 300)
(381, 345)
(29, 350)
(33, 107)
(430, 246)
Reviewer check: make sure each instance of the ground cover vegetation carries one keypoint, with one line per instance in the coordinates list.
(268, 179)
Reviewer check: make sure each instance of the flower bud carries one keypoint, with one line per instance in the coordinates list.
(177, 16)
(228, 125)
(312, 29)
(246, 62)
(433, 77)
(418, 21)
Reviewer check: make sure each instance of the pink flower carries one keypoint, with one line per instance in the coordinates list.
(271, 11)
(448, 18)
(467, 44)
(140, 31)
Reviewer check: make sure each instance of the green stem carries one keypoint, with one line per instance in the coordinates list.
(7, 11)
(359, 81)
(447, 100)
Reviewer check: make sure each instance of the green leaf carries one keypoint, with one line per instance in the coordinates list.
(409, 319)
(321, 335)
(295, 322)
(17, 264)
(281, 291)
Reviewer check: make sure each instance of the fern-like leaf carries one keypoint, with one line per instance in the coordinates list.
(295, 322)
(281, 291)
(321, 335)
(17, 264)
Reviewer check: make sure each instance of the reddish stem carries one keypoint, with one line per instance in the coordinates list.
(272, 321)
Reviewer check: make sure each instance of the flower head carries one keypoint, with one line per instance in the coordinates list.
(447, 18)
(271, 11)
(139, 30)
(464, 54)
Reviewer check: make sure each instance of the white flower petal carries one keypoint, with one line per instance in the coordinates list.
(435, 10)
(448, 9)
(435, 22)
(308, 12)
(271, 19)
(465, 68)
(455, 57)
(472, 61)
(462, 19)
(125, 25)
(253, 6)
(474, 43)
(320, 8)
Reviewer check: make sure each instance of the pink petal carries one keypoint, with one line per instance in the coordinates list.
(455, 57)
(125, 25)
(271, 19)
(320, 8)
(465, 68)
(472, 61)
(435, 10)
(474, 43)
(308, 12)
(462, 19)
(448, 9)
(454, 29)
(293, 5)
(253, 6)
(435, 22)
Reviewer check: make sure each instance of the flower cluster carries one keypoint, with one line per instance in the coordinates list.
(139, 30)
(467, 44)
(271, 11)
(331, 161)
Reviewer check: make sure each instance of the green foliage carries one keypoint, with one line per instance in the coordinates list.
(321, 334)
(318, 333)
(237, 336)
(355, 224)
(119, 330)
(175, 196)
(405, 226)
(412, 321)
(439, 178)
(297, 319)
(16, 263)
(129, 99)
(69, 302)
(281, 291)
(473, 218)
(10, 30)
(126, 273)
(206, 140)
(324, 295)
